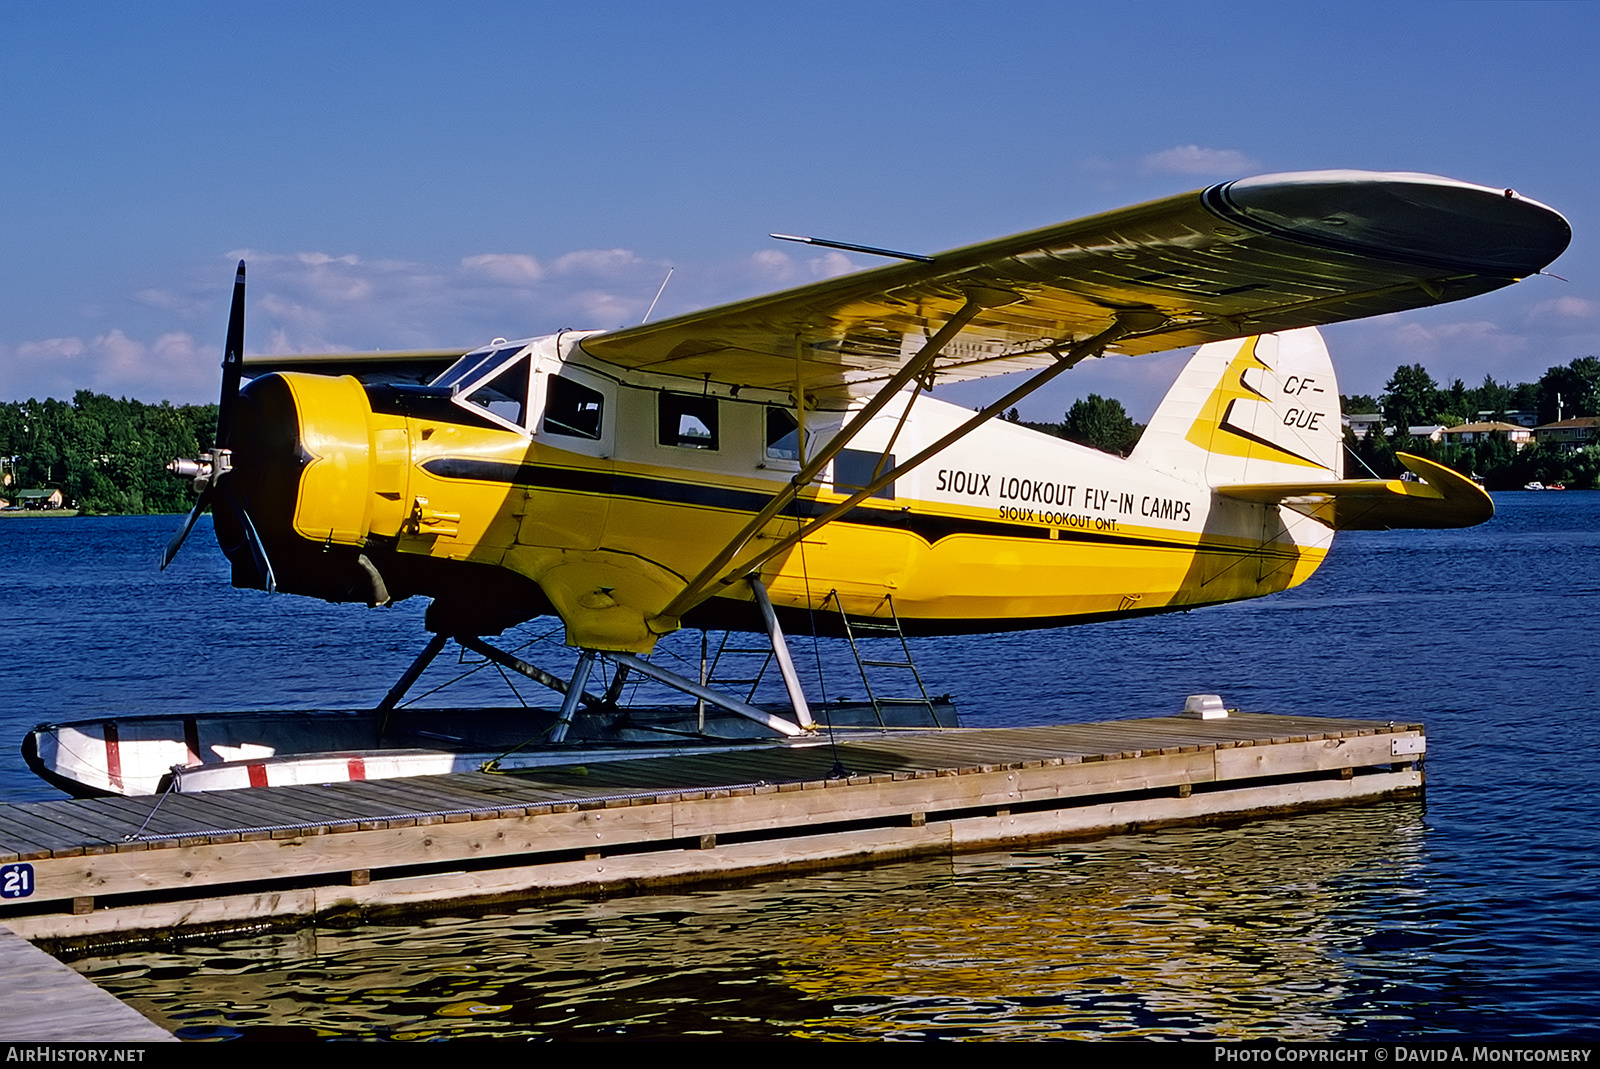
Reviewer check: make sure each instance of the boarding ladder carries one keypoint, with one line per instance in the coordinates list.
(881, 630)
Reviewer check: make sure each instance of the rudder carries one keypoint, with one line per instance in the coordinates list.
(1261, 409)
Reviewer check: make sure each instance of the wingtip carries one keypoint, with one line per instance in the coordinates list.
(1420, 218)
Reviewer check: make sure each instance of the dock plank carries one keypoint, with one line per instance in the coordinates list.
(15, 845)
(144, 818)
(88, 817)
(22, 824)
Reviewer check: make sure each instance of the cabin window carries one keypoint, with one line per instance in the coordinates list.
(783, 434)
(853, 469)
(687, 422)
(572, 409)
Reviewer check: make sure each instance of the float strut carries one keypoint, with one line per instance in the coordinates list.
(614, 691)
(780, 648)
(517, 664)
(429, 652)
(690, 687)
(569, 705)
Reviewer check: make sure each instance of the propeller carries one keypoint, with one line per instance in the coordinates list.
(211, 472)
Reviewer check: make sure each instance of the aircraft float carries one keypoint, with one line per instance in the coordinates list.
(777, 462)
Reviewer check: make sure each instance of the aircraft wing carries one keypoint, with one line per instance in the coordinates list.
(412, 365)
(1443, 498)
(1252, 256)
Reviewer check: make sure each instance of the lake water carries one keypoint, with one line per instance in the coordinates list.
(1473, 915)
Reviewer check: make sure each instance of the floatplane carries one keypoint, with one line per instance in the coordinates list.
(777, 463)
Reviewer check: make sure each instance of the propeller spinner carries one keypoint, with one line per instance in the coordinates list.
(211, 471)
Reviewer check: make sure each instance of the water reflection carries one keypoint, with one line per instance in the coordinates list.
(1475, 918)
(1233, 933)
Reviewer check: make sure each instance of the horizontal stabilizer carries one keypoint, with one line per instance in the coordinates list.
(1443, 498)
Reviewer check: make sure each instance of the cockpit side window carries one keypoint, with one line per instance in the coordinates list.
(506, 395)
(491, 383)
(687, 421)
(783, 434)
(572, 409)
(856, 469)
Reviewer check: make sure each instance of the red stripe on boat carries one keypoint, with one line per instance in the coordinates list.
(113, 755)
(258, 775)
(357, 768)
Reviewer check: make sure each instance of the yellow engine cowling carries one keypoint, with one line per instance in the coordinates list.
(302, 459)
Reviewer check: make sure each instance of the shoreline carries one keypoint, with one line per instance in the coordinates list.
(58, 514)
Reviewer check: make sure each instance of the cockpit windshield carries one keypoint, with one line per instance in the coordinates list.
(493, 381)
(476, 365)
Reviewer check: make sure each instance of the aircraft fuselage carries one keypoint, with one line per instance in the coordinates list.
(543, 480)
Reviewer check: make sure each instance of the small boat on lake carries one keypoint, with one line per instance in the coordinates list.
(191, 752)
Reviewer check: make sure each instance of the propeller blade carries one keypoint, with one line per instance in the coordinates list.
(219, 485)
(232, 362)
(258, 555)
(176, 541)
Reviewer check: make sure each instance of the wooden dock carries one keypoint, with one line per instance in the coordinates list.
(110, 869)
(46, 1002)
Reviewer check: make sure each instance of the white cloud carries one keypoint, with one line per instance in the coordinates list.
(59, 348)
(601, 308)
(601, 262)
(1566, 308)
(1515, 343)
(1479, 336)
(313, 301)
(308, 302)
(173, 366)
(512, 268)
(780, 268)
(832, 264)
(119, 357)
(321, 259)
(1194, 160)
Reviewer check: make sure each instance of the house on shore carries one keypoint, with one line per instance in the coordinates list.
(1522, 417)
(1362, 422)
(38, 500)
(1569, 435)
(1467, 433)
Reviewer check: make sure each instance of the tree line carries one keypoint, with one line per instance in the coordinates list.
(1411, 398)
(109, 455)
(105, 455)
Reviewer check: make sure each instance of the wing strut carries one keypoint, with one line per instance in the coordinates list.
(916, 367)
(700, 589)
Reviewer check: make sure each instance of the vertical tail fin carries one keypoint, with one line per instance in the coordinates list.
(1259, 410)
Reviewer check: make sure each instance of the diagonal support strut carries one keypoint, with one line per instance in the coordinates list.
(694, 591)
(1126, 323)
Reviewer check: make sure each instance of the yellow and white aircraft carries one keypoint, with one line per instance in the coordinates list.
(744, 465)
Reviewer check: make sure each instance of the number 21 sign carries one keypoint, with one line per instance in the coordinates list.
(16, 881)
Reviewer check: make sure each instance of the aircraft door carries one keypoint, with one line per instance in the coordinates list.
(568, 480)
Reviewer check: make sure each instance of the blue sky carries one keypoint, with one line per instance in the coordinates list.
(406, 175)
